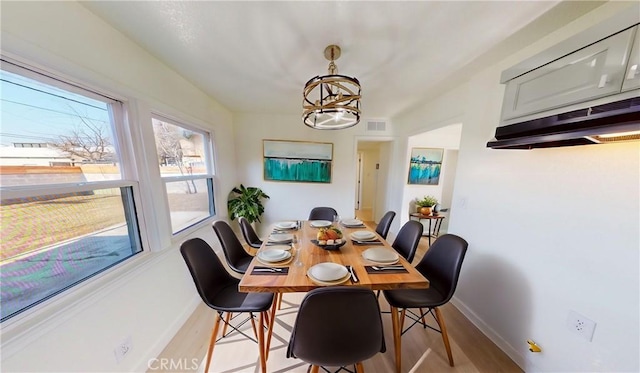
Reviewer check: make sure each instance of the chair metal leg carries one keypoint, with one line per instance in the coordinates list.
(263, 359)
(359, 368)
(272, 324)
(397, 329)
(445, 336)
(424, 322)
(212, 341)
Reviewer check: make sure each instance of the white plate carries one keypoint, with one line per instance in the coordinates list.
(363, 235)
(380, 255)
(319, 223)
(280, 237)
(328, 271)
(287, 259)
(273, 255)
(336, 282)
(287, 225)
(278, 247)
(352, 222)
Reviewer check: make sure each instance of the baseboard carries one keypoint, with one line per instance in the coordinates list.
(169, 332)
(505, 346)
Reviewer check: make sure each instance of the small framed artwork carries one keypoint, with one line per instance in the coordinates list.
(297, 161)
(425, 166)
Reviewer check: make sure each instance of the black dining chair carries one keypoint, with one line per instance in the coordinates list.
(249, 233)
(441, 266)
(385, 223)
(237, 257)
(322, 213)
(219, 290)
(337, 326)
(407, 240)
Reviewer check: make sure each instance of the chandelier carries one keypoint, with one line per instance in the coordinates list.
(332, 101)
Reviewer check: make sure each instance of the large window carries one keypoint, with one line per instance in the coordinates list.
(185, 159)
(67, 206)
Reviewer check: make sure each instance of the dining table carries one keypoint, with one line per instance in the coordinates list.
(306, 252)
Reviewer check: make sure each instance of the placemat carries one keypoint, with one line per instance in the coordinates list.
(283, 271)
(369, 269)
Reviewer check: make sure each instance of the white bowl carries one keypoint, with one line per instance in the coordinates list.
(352, 222)
(380, 255)
(363, 235)
(328, 271)
(273, 255)
(286, 225)
(319, 223)
(280, 237)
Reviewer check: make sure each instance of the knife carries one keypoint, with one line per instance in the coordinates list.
(354, 278)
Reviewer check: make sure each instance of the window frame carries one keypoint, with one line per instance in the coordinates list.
(123, 143)
(209, 176)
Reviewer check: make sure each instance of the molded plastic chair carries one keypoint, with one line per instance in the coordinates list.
(337, 326)
(385, 223)
(322, 213)
(237, 257)
(249, 233)
(219, 290)
(407, 240)
(441, 265)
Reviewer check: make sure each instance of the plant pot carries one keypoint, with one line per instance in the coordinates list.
(425, 210)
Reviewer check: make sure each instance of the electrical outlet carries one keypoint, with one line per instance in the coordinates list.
(122, 349)
(581, 325)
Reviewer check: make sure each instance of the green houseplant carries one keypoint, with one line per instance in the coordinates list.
(425, 204)
(246, 202)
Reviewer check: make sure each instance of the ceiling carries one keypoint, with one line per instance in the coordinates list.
(256, 56)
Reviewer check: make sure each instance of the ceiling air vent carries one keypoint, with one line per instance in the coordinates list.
(377, 126)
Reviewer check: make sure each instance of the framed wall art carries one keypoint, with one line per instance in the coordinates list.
(297, 161)
(425, 166)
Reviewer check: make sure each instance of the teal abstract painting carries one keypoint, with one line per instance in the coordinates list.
(297, 161)
(425, 166)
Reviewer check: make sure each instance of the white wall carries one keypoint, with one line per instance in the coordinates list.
(550, 230)
(149, 297)
(294, 200)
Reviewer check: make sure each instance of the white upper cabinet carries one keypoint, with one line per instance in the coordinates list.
(632, 76)
(595, 71)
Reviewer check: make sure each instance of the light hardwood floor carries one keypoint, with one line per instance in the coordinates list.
(422, 350)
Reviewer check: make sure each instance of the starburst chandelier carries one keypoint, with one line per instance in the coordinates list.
(331, 101)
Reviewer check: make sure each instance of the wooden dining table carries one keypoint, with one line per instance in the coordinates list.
(306, 254)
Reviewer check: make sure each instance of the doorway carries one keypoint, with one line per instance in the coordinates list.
(372, 160)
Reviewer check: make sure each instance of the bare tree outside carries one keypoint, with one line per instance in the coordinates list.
(89, 142)
(169, 148)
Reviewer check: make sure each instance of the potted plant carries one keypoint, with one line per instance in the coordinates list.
(425, 204)
(246, 202)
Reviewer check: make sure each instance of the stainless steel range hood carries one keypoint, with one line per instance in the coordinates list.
(615, 121)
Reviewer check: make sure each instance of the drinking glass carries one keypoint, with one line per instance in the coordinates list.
(298, 244)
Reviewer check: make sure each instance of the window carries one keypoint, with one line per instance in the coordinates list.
(67, 211)
(185, 159)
